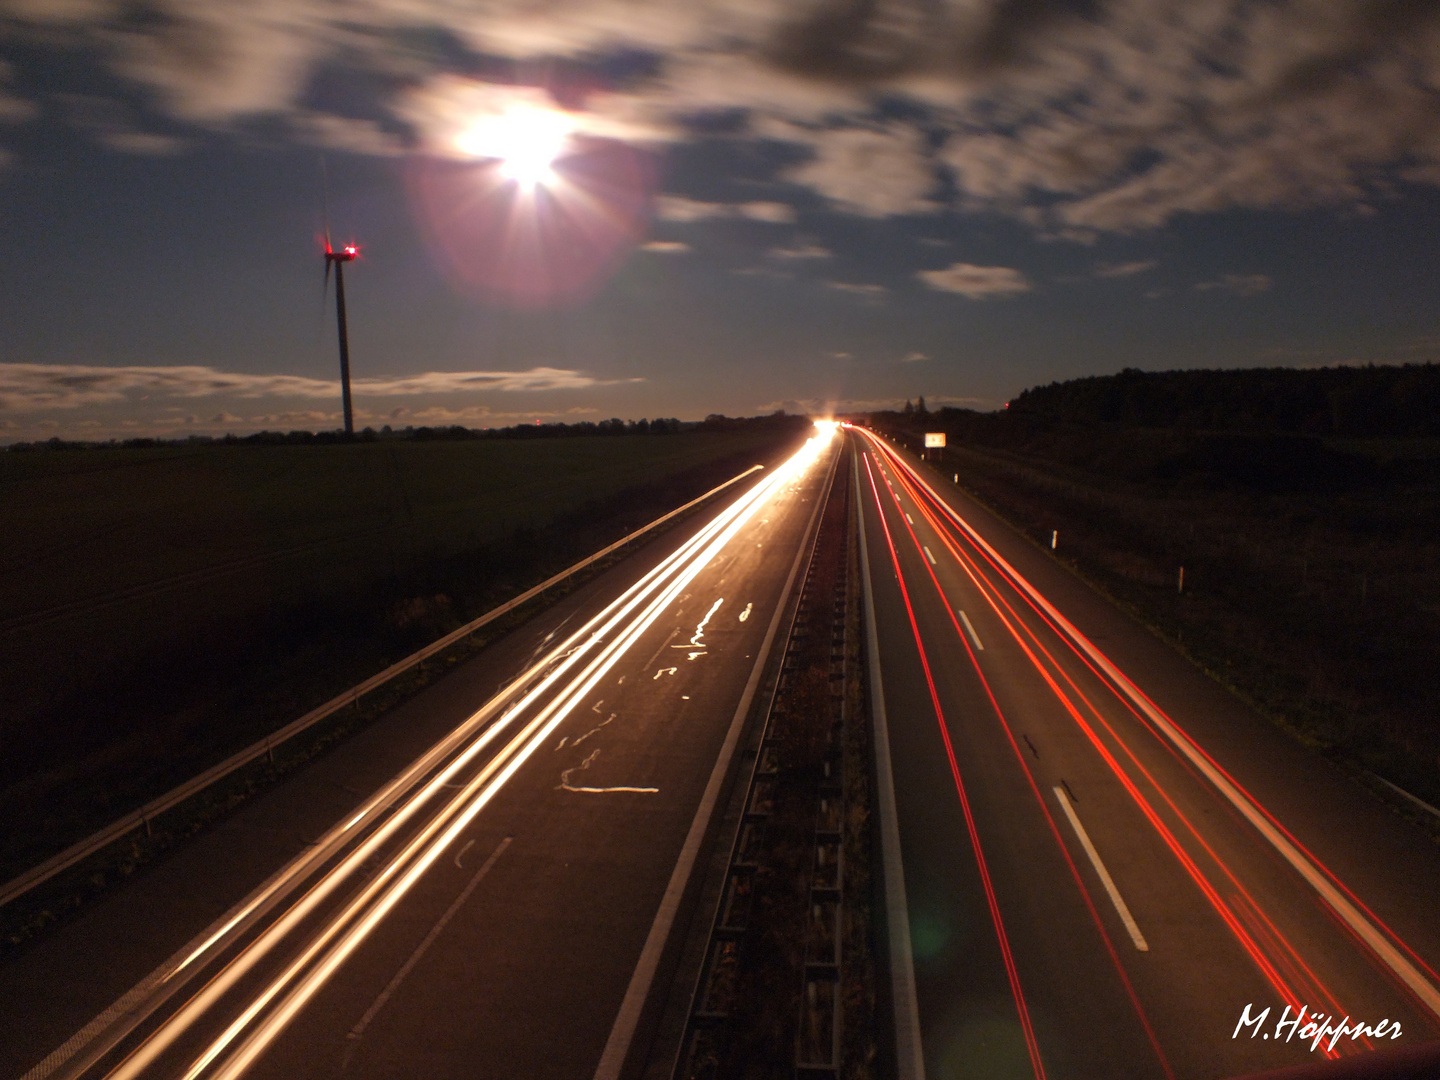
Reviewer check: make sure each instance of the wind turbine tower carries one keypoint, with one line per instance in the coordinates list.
(339, 259)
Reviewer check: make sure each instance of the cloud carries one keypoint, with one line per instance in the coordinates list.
(1129, 269)
(445, 112)
(1238, 284)
(976, 282)
(679, 208)
(763, 271)
(31, 387)
(684, 210)
(872, 291)
(913, 358)
(882, 172)
(832, 406)
(356, 136)
(114, 124)
(1079, 118)
(665, 247)
(144, 143)
(774, 213)
(16, 110)
(802, 250)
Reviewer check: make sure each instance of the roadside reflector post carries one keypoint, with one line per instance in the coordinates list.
(1180, 584)
(1054, 538)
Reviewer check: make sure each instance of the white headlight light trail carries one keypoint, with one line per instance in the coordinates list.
(660, 587)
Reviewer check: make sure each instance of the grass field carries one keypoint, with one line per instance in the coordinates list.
(162, 607)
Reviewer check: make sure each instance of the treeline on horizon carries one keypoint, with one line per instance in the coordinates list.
(452, 433)
(1302, 505)
(1348, 402)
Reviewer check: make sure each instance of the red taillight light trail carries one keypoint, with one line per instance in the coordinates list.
(1382, 943)
(1011, 971)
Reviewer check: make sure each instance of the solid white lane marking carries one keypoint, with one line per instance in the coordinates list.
(928, 555)
(974, 637)
(910, 1061)
(420, 950)
(1401, 791)
(1115, 898)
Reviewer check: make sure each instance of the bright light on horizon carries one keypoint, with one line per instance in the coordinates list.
(525, 139)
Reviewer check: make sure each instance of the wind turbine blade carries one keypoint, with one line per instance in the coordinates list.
(325, 207)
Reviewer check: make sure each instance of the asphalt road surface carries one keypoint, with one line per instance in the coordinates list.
(493, 908)
(1107, 859)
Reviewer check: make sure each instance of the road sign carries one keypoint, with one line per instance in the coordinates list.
(934, 438)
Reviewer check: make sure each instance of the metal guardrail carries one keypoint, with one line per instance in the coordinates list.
(265, 747)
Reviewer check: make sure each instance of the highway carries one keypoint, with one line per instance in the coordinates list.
(495, 908)
(1107, 860)
(1109, 867)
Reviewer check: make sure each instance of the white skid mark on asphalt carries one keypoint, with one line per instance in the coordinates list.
(1125, 916)
(592, 731)
(461, 853)
(596, 707)
(695, 642)
(665, 671)
(974, 637)
(562, 744)
(700, 630)
(565, 784)
(695, 654)
(746, 613)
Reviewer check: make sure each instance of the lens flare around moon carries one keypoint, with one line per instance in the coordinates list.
(540, 219)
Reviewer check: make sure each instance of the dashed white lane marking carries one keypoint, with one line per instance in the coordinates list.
(974, 637)
(394, 984)
(1115, 898)
(928, 555)
(909, 519)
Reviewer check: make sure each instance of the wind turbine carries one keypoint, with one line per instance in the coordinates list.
(338, 259)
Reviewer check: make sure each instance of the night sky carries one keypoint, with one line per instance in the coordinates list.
(756, 205)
